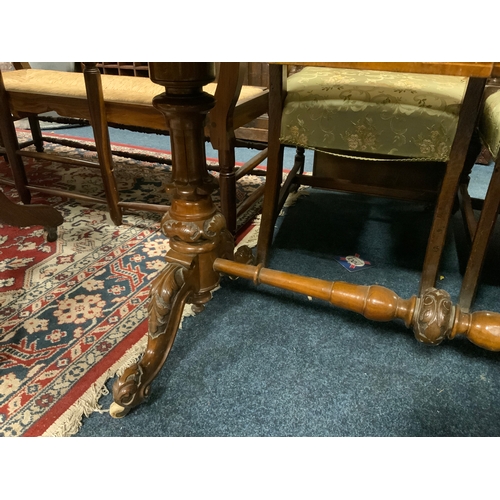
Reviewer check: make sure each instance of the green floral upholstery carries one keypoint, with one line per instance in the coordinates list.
(378, 112)
(489, 125)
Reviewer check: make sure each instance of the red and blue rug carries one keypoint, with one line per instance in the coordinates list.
(72, 312)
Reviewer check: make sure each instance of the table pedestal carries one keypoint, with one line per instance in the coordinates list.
(196, 230)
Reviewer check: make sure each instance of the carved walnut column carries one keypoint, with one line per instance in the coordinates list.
(197, 232)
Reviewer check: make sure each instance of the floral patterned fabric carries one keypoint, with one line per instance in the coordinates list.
(489, 125)
(398, 114)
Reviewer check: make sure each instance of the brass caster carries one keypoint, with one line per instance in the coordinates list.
(117, 411)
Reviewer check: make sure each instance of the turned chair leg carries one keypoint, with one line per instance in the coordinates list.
(227, 188)
(36, 132)
(99, 124)
(274, 174)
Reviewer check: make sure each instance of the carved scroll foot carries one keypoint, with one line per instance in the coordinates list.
(169, 294)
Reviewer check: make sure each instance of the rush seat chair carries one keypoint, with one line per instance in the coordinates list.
(379, 133)
(126, 101)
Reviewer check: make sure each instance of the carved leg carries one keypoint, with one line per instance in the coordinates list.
(168, 296)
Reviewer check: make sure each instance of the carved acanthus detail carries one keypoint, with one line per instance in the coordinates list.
(185, 231)
(161, 295)
(192, 232)
(214, 226)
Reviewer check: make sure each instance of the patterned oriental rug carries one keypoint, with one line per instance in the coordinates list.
(73, 312)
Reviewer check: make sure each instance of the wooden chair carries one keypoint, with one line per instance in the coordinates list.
(126, 101)
(20, 215)
(390, 134)
(481, 230)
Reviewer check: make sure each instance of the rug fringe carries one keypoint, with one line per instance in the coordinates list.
(293, 197)
(70, 422)
(251, 238)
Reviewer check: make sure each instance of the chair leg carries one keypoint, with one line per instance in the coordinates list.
(480, 242)
(292, 184)
(11, 144)
(101, 134)
(2, 145)
(227, 187)
(36, 132)
(449, 187)
(464, 199)
(274, 177)
(274, 172)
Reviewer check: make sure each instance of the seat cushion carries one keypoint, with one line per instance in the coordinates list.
(124, 89)
(489, 124)
(377, 112)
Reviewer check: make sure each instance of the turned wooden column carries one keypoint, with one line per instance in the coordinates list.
(196, 230)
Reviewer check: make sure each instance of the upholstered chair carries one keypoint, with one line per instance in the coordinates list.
(379, 133)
